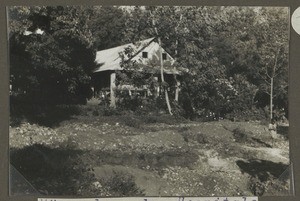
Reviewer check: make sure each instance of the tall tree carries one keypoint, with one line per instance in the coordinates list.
(108, 26)
(273, 52)
(253, 43)
(161, 63)
(52, 58)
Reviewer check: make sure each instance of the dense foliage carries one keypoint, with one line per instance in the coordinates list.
(229, 54)
(52, 57)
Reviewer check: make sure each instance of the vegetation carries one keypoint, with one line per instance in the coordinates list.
(233, 64)
(135, 155)
(51, 54)
(234, 59)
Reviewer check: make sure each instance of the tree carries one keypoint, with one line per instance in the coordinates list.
(108, 26)
(193, 32)
(252, 44)
(222, 43)
(161, 65)
(214, 48)
(273, 54)
(53, 56)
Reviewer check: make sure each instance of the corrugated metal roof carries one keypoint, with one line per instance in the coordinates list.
(110, 59)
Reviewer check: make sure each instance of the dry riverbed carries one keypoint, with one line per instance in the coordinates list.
(159, 158)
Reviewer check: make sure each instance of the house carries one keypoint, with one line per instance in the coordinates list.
(146, 53)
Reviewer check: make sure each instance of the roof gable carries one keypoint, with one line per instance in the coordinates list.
(110, 59)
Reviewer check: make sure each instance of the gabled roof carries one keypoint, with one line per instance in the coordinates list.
(110, 59)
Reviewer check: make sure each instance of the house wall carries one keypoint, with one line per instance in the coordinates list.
(153, 56)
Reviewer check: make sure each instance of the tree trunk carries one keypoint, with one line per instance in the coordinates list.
(271, 99)
(175, 76)
(162, 67)
(272, 84)
(112, 90)
(162, 77)
(176, 55)
(177, 89)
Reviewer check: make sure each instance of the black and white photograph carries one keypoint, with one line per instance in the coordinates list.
(133, 101)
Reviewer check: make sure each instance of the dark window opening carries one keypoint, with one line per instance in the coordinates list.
(164, 56)
(145, 54)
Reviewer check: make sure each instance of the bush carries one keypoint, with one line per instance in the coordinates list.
(240, 135)
(247, 115)
(256, 187)
(96, 113)
(46, 115)
(177, 110)
(201, 138)
(162, 118)
(150, 119)
(132, 122)
(109, 111)
(188, 135)
(121, 184)
(140, 104)
(127, 102)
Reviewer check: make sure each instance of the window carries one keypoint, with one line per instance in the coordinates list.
(164, 56)
(145, 54)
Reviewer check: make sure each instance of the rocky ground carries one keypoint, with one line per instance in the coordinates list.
(219, 158)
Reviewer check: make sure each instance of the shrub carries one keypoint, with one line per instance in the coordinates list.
(127, 102)
(121, 184)
(15, 120)
(188, 135)
(46, 115)
(96, 113)
(240, 135)
(69, 144)
(256, 187)
(247, 115)
(132, 122)
(162, 118)
(109, 111)
(201, 138)
(150, 119)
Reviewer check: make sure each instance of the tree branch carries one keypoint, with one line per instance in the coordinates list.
(276, 74)
(267, 74)
(275, 63)
(263, 78)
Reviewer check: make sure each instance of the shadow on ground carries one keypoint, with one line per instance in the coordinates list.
(69, 171)
(260, 142)
(149, 159)
(284, 131)
(49, 116)
(50, 171)
(262, 169)
(63, 171)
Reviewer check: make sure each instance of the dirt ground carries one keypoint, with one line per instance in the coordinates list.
(219, 158)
